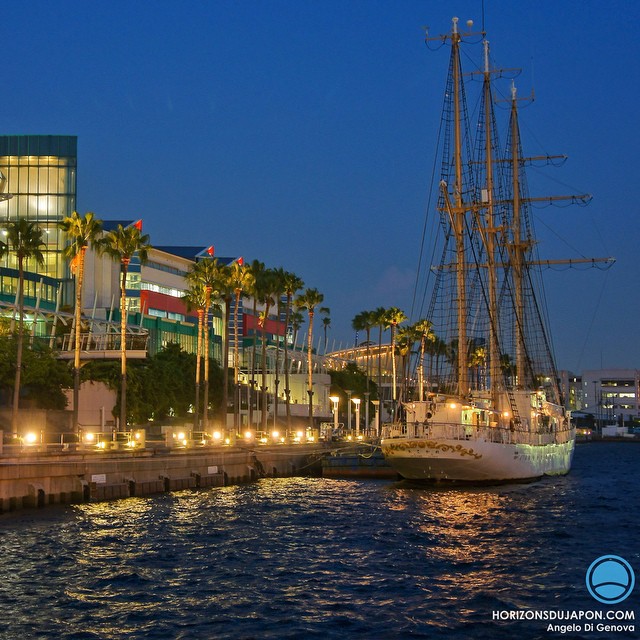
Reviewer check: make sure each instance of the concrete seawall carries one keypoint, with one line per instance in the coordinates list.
(36, 480)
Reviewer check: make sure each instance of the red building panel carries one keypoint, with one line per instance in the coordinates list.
(250, 325)
(162, 302)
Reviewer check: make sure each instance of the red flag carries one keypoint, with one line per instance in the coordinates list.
(211, 251)
(138, 225)
(240, 260)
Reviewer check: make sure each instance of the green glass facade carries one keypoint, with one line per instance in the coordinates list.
(41, 176)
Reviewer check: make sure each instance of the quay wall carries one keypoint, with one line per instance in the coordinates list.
(40, 479)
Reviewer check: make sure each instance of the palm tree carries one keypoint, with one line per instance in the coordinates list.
(291, 284)
(379, 320)
(392, 318)
(477, 362)
(195, 300)
(404, 344)
(121, 244)
(241, 280)
(81, 232)
(205, 273)
(257, 270)
(365, 321)
(309, 300)
(25, 240)
(438, 349)
(297, 320)
(423, 329)
(226, 291)
(268, 294)
(326, 323)
(508, 368)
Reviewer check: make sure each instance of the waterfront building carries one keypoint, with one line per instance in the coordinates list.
(572, 391)
(40, 174)
(155, 292)
(612, 396)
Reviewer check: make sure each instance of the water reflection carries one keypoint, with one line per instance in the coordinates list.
(310, 557)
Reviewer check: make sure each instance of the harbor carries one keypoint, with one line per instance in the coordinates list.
(309, 328)
(31, 479)
(304, 556)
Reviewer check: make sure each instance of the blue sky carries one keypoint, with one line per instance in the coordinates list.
(303, 133)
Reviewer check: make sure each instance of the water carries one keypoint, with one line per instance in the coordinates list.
(316, 558)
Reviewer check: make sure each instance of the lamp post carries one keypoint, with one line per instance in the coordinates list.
(367, 426)
(376, 407)
(335, 400)
(356, 401)
(348, 392)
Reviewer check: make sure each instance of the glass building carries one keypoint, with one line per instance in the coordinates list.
(41, 176)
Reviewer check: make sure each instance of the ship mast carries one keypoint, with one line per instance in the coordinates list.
(519, 244)
(458, 212)
(490, 236)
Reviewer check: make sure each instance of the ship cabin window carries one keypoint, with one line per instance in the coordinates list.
(474, 418)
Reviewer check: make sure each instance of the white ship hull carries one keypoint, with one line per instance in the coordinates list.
(475, 460)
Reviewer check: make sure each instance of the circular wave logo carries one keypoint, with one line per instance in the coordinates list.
(610, 579)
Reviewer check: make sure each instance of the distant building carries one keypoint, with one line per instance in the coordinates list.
(612, 395)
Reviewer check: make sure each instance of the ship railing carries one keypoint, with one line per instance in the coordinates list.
(500, 434)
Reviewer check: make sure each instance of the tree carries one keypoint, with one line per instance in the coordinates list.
(405, 340)
(423, 329)
(379, 320)
(121, 244)
(195, 300)
(477, 362)
(25, 239)
(297, 320)
(291, 284)
(225, 290)
(268, 293)
(392, 318)
(81, 232)
(44, 376)
(326, 324)
(353, 378)
(365, 321)
(241, 279)
(206, 273)
(309, 300)
(257, 270)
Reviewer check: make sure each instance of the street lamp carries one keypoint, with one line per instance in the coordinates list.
(367, 426)
(356, 401)
(335, 400)
(348, 392)
(376, 406)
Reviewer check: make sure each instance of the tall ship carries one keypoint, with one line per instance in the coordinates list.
(488, 404)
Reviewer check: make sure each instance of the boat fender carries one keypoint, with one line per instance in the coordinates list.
(429, 415)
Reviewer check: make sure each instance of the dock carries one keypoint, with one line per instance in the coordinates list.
(357, 461)
(36, 479)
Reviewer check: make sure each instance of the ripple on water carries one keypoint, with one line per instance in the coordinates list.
(317, 558)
